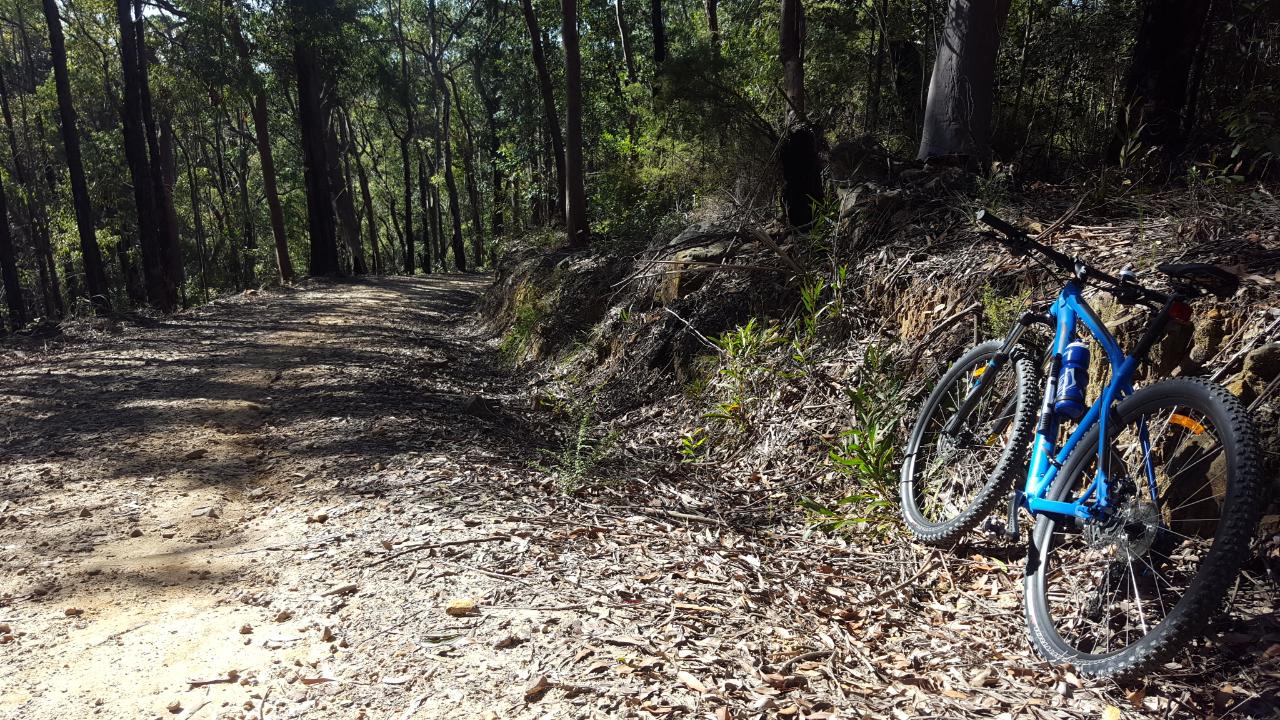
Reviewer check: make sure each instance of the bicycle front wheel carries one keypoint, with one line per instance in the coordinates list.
(1118, 595)
(952, 480)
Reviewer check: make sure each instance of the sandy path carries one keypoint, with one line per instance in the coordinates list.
(264, 507)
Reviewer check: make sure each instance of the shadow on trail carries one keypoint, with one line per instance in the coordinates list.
(351, 377)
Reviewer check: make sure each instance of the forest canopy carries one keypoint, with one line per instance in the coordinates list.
(161, 152)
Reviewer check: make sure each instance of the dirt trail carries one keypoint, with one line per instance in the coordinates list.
(264, 507)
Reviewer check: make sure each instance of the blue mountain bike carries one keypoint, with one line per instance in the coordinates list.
(1145, 502)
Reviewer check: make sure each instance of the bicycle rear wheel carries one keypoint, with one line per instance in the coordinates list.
(950, 482)
(1118, 596)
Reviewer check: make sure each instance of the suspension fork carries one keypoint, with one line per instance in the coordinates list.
(989, 372)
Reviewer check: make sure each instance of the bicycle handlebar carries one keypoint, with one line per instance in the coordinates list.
(1020, 242)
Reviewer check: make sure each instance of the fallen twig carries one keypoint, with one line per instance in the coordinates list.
(432, 546)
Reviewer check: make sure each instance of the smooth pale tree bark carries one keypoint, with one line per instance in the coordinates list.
(344, 204)
(579, 234)
(94, 272)
(1155, 93)
(312, 123)
(624, 35)
(957, 115)
(552, 118)
(266, 159)
(799, 157)
(9, 268)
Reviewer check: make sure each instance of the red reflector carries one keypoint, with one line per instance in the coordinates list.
(1180, 312)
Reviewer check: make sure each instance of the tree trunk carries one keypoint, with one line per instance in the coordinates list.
(246, 212)
(579, 234)
(161, 178)
(406, 143)
(95, 273)
(429, 230)
(344, 206)
(552, 118)
(659, 26)
(469, 169)
(367, 199)
(957, 116)
(491, 107)
(799, 154)
(312, 123)
(262, 136)
(624, 35)
(455, 212)
(713, 24)
(1155, 95)
(197, 216)
(9, 268)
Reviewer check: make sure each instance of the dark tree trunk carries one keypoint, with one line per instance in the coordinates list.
(491, 107)
(9, 268)
(659, 26)
(552, 118)
(469, 169)
(429, 229)
(957, 116)
(579, 234)
(713, 24)
(406, 143)
(161, 177)
(262, 135)
(370, 220)
(225, 216)
(1155, 89)
(197, 216)
(161, 291)
(95, 273)
(312, 123)
(799, 154)
(624, 35)
(8, 256)
(455, 212)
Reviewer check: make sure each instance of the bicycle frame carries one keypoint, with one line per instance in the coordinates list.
(1067, 311)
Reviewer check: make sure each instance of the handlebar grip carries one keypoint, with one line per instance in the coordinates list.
(995, 223)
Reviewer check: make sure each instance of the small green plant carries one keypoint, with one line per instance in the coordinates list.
(994, 189)
(866, 452)
(813, 309)
(692, 444)
(740, 351)
(1000, 312)
(1132, 150)
(582, 452)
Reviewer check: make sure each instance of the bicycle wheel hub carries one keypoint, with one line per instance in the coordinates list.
(1127, 533)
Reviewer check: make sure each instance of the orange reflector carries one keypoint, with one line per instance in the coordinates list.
(979, 371)
(1187, 423)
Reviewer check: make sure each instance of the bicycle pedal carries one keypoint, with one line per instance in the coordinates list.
(995, 527)
(1011, 522)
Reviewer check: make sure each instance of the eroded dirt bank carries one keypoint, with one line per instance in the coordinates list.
(265, 508)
